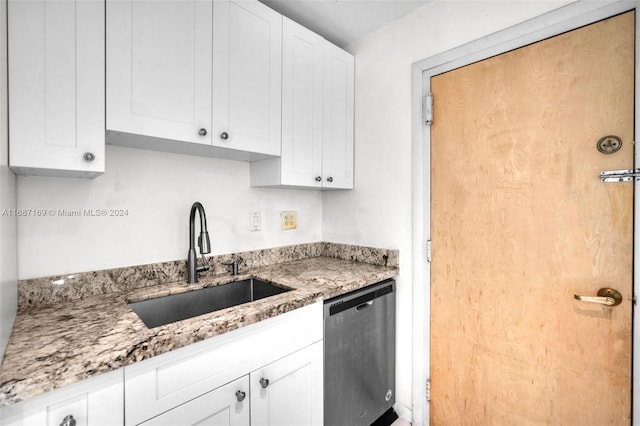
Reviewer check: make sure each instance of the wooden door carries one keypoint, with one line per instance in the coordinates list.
(520, 223)
(247, 76)
(159, 65)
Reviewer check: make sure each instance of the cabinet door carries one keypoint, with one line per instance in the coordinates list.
(56, 81)
(225, 406)
(247, 76)
(159, 62)
(290, 390)
(337, 142)
(301, 158)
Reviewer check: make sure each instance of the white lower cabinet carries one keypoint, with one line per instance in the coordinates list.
(227, 405)
(285, 392)
(92, 402)
(164, 383)
(289, 391)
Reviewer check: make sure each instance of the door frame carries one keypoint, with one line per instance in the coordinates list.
(563, 19)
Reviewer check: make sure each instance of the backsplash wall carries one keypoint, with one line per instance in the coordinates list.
(151, 194)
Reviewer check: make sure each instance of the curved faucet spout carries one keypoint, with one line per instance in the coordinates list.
(204, 244)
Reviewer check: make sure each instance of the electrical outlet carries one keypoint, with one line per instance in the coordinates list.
(254, 221)
(288, 220)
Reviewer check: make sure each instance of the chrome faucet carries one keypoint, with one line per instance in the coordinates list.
(204, 244)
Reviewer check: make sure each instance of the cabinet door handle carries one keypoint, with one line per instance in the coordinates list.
(318, 178)
(224, 135)
(240, 395)
(202, 132)
(329, 179)
(264, 383)
(68, 421)
(88, 156)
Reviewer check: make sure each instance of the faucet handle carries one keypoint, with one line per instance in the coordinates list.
(233, 266)
(204, 266)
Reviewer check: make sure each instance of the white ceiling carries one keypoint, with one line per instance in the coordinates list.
(344, 21)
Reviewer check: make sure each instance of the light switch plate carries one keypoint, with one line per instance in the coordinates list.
(288, 219)
(254, 221)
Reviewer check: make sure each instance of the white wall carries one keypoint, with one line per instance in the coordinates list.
(378, 211)
(157, 189)
(8, 288)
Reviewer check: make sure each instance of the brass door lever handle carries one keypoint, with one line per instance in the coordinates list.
(606, 296)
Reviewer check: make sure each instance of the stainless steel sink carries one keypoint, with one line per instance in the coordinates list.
(177, 307)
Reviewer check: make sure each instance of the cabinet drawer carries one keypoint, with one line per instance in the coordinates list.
(92, 402)
(156, 385)
(225, 406)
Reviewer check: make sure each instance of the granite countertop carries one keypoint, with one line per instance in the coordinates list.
(69, 341)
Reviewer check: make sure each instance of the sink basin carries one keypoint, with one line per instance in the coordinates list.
(177, 307)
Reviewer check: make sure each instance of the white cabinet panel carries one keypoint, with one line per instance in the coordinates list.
(301, 106)
(56, 86)
(289, 392)
(247, 76)
(337, 140)
(227, 405)
(317, 115)
(159, 64)
(93, 402)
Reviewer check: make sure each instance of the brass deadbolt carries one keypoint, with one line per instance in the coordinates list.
(609, 144)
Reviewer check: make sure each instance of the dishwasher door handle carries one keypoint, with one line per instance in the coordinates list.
(364, 305)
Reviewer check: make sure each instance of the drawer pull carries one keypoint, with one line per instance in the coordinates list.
(264, 383)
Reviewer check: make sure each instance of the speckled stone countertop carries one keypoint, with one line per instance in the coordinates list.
(68, 341)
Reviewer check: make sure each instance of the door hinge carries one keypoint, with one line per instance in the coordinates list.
(620, 175)
(428, 250)
(428, 390)
(427, 109)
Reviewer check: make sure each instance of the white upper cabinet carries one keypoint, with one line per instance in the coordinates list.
(337, 133)
(159, 65)
(317, 115)
(247, 76)
(301, 106)
(56, 86)
(197, 77)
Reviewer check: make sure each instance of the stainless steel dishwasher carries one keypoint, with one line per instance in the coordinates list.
(359, 355)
